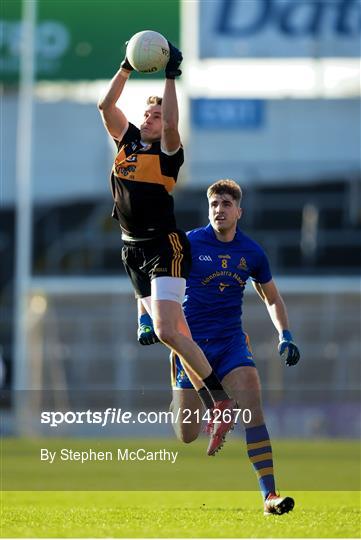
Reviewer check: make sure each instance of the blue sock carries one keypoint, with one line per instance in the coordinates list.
(260, 454)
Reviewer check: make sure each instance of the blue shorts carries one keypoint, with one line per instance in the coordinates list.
(224, 355)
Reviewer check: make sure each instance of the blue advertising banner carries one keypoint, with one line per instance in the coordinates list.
(279, 28)
(227, 113)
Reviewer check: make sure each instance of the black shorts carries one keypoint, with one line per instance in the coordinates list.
(168, 255)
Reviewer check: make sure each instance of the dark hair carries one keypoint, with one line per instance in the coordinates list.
(226, 186)
(154, 100)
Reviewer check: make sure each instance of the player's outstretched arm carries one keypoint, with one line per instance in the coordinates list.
(114, 119)
(170, 136)
(276, 308)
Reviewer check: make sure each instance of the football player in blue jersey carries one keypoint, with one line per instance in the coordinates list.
(223, 259)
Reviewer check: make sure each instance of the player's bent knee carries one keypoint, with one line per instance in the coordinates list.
(166, 334)
(187, 435)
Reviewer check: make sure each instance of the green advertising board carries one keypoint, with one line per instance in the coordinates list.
(82, 39)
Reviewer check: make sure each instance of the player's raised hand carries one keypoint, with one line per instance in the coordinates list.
(146, 334)
(175, 59)
(125, 64)
(288, 349)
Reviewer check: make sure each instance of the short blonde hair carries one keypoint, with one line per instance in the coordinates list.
(226, 186)
(154, 100)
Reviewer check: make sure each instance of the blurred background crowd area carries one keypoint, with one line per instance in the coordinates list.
(270, 97)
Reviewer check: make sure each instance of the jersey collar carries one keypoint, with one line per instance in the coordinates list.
(210, 231)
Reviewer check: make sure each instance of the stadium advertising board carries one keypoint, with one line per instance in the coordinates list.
(73, 43)
(279, 28)
(228, 113)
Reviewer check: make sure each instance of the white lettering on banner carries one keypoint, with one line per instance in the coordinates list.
(283, 28)
(52, 39)
(51, 43)
(227, 113)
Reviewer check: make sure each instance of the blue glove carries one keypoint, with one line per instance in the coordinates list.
(288, 349)
(146, 334)
(175, 59)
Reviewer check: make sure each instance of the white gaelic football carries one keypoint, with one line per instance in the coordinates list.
(148, 51)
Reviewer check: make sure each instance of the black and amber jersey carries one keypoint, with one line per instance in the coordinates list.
(141, 181)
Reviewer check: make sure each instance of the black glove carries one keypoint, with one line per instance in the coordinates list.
(175, 59)
(287, 349)
(125, 63)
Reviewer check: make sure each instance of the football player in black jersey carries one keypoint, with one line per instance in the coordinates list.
(156, 254)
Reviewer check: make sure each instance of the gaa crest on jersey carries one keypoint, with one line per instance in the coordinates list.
(242, 265)
(206, 258)
(181, 375)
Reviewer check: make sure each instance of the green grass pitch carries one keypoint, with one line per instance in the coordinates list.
(107, 505)
(176, 515)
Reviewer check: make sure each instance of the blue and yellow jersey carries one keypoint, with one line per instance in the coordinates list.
(215, 287)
